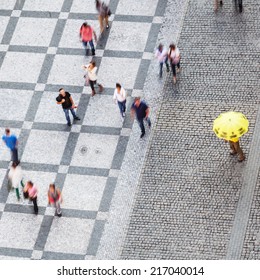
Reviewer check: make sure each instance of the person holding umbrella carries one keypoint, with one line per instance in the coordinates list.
(230, 126)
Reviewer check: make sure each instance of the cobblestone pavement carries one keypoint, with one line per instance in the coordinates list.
(195, 201)
(39, 53)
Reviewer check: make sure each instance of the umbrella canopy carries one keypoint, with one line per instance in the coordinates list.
(230, 125)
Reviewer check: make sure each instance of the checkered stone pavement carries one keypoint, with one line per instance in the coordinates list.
(39, 53)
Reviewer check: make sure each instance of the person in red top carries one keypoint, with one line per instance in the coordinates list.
(86, 35)
(54, 198)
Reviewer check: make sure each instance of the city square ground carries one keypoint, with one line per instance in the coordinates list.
(177, 193)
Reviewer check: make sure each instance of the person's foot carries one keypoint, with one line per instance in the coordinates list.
(124, 114)
(122, 118)
(232, 153)
(93, 93)
(101, 88)
(107, 26)
(142, 135)
(241, 159)
(174, 80)
(168, 69)
(68, 124)
(77, 119)
(178, 70)
(59, 215)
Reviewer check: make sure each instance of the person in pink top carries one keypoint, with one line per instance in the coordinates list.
(86, 34)
(30, 191)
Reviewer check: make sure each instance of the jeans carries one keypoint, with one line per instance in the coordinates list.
(14, 155)
(66, 111)
(122, 107)
(141, 124)
(161, 66)
(85, 43)
(35, 206)
(174, 68)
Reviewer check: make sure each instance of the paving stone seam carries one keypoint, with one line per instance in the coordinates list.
(238, 232)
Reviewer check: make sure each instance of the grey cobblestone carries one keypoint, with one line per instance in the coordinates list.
(190, 186)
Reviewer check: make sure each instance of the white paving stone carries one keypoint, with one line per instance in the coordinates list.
(83, 192)
(136, 7)
(7, 4)
(43, 5)
(69, 235)
(96, 115)
(19, 230)
(16, 103)
(30, 31)
(100, 150)
(113, 69)
(15, 67)
(119, 39)
(36, 148)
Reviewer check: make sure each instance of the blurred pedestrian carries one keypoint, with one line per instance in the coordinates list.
(30, 192)
(174, 57)
(67, 103)
(120, 98)
(86, 35)
(91, 77)
(11, 142)
(216, 4)
(15, 178)
(236, 149)
(103, 14)
(162, 56)
(141, 111)
(55, 198)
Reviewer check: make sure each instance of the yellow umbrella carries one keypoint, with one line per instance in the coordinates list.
(230, 125)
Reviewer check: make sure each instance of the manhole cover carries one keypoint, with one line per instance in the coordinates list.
(98, 151)
(83, 150)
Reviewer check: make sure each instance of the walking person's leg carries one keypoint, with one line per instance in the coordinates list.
(167, 64)
(232, 147)
(35, 206)
(106, 21)
(92, 47)
(101, 26)
(84, 43)
(124, 107)
(178, 66)
(121, 108)
(75, 117)
(17, 193)
(58, 208)
(66, 111)
(161, 67)
(174, 72)
(141, 124)
(92, 83)
(239, 151)
(14, 154)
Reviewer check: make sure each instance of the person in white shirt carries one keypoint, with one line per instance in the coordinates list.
(91, 69)
(15, 178)
(120, 98)
(174, 57)
(162, 57)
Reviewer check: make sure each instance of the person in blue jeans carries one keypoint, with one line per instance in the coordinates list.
(12, 143)
(67, 103)
(141, 111)
(120, 98)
